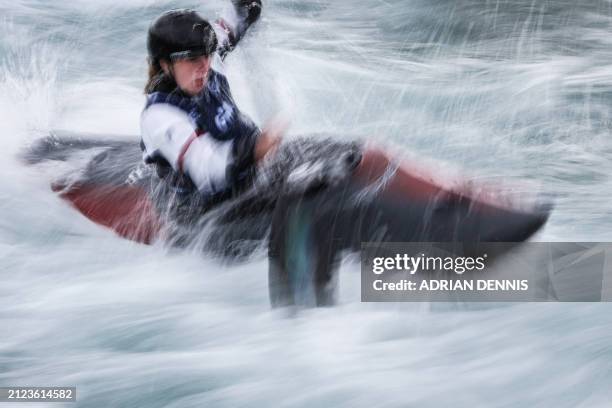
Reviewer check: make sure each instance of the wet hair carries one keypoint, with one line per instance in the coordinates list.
(158, 80)
(155, 70)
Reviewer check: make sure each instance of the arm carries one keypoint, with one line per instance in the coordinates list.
(245, 131)
(231, 29)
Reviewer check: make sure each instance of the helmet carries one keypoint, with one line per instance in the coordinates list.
(178, 34)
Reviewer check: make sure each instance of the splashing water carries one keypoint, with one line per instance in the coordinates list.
(500, 89)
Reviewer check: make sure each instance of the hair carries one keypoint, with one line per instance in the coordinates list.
(155, 70)
(158, 80)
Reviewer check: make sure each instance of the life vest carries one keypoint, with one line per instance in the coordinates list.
(215, 115)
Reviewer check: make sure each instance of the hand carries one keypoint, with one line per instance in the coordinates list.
(251, 8)
(270, 138)
(265, 144)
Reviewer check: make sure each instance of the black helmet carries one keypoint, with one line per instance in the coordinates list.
(178, 34)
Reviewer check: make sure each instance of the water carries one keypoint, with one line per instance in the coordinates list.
(502, 90)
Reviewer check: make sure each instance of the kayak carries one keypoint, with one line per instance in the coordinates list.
(379, 203)
(315, 200)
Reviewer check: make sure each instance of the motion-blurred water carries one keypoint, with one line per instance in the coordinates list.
(503, 90)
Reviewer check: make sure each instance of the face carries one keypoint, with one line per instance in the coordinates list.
(190, 74)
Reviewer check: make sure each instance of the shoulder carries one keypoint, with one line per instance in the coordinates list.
(170, 98)
(217, 80)
(162, 122)
(160, 113)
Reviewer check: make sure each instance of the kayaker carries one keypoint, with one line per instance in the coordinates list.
(191, 127)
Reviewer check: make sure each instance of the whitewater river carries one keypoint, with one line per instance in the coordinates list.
(499, 90)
